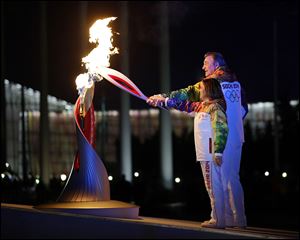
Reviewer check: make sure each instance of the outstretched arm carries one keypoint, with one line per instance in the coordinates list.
(191, 93)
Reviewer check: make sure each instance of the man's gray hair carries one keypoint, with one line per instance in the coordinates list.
(218, 57)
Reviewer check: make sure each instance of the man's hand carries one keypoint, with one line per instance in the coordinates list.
(218, 160)
(156, 100)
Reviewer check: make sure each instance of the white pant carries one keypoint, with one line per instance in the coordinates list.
(212, 175)
(233, 190)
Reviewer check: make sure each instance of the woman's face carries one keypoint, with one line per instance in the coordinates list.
(203, 95)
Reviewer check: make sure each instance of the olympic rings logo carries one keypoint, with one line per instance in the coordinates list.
(232, 95)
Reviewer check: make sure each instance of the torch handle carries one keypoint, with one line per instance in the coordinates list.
(159, 106)
(123, 82)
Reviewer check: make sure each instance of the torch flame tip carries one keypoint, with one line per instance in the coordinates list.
(99, 57)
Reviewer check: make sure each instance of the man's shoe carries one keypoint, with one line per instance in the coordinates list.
(241, 227)
(237, 226)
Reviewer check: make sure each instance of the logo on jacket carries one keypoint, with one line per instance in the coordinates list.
(231, 91)
(232, 95)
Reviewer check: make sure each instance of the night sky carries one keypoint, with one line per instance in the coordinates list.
(241, 30)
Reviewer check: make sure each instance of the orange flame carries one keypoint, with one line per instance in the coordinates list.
(100, 34)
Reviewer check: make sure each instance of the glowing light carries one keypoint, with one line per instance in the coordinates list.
(101, 35)
(2, 175)
(177, 180)
(63, 177)
(7, 165)
(110, 178)
(294, 103)
(284, 174)
(267, 173)
(136, 174)
(82, 80)
(37, 181)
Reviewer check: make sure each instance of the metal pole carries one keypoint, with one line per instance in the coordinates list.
(44, 118)
(166, 157)
(24, 158)
(126, 153)
(275, 91)
(3, 99)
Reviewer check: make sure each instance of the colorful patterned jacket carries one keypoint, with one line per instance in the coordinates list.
(216, 109)
(192, 92)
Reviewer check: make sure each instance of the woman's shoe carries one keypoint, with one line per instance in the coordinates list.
(211, 224)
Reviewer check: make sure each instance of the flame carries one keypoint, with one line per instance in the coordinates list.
(100, 34)
(82, 81)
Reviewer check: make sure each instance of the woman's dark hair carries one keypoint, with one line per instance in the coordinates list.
(213, 89)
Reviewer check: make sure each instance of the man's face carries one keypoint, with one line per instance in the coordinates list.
(209, 65)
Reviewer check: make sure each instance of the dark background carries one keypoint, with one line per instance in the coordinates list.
(241, 30)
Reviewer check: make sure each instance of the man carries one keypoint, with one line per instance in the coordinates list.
(215, 66)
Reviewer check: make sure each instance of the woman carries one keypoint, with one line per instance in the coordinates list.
(210, 134)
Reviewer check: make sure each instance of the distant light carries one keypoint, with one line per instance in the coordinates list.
(284, 175)
(136, 174)
(37, 181)
(18, 86)
(294, 103)
(177, 180)
(110, 178)
(37, 176)
(267, 173)
(30, 92)
(68, 107)
(113, 113)
(63, 177)
(7, 164)
(2, 175)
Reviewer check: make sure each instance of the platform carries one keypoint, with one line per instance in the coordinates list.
(110, 208)
(25, 222)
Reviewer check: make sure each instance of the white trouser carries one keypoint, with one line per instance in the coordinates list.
(212, 175)
(233, 190)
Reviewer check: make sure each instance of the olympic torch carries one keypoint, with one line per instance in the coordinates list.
(85, 86)
(97, 63)
(87, 190)
(121, 81)
(101, 35)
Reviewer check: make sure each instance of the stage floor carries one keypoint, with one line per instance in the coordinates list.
(24, 221)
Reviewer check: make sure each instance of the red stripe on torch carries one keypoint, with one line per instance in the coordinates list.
(124, 84)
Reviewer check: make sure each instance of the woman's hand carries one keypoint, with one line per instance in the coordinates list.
(156, 100)
(218, 160)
